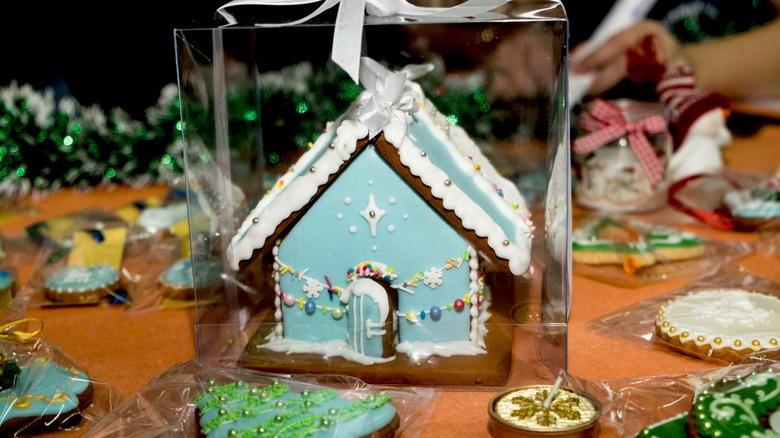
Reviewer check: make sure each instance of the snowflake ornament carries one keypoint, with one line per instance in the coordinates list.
(433, 277)
(313, 288)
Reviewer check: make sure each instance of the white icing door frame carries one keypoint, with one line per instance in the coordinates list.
(365, 334)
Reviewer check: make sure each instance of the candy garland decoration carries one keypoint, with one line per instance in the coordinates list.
(293, 419)
(313, 285)
(433, 272)
(436, 311)
(474, 296)
(377, 271)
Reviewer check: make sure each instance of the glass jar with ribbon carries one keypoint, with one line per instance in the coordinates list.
(621, 153)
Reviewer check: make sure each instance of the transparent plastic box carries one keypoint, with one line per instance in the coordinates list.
(429, 248)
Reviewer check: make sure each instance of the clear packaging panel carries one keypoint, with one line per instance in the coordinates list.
(426, 242)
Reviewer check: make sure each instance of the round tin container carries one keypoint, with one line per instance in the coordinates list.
(520, 412)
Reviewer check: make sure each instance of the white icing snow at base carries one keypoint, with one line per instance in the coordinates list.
(419, 350)
(333, 348)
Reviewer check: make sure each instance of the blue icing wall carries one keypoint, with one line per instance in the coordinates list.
(411, 237)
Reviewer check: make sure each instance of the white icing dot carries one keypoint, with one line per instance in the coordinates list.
(392, 200)
(371, 181)
(374, 248)
(339, 215)
(391, 228)
(353, 229)
(406, 216)
(347, 200)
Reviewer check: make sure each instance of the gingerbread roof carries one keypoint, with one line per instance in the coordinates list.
(437, 158)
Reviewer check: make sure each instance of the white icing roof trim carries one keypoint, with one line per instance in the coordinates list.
(297, 188)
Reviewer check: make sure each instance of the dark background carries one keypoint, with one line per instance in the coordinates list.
(111, 53)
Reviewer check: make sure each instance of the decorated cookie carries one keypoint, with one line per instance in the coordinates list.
(236, 409)
(178, 282)
(671, 244)
(761, 201)
(45, 397)
(722, 324)
(163, 217)
(81, 284)
(7, 287)
(673, 427)
(605, 241)
(737, 408)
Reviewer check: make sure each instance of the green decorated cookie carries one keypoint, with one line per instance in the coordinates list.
(605, 241)
(738, 408)
(673, 427)
(238, 410)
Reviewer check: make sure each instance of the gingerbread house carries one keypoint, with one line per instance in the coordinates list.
(378, 235)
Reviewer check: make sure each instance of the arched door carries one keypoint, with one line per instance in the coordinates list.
(369, 310)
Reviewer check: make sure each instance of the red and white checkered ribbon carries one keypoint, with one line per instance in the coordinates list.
(608, 124)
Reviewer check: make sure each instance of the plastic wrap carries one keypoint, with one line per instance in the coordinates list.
(165, 406)
(636, 251)
(632, 404)
(78, 260)
(397, 241)
(12, 255)
(730, 200)
(50, 392)
(637, 323)
(157, 270)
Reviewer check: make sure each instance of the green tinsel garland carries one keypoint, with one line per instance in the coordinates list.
(47, 144)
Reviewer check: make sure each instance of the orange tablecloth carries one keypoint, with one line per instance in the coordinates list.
(127, 350)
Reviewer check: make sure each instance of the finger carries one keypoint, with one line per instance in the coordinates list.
(616, 46)
(608, 77)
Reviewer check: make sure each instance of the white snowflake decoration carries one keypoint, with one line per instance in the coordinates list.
(313, 288)
(433, 277)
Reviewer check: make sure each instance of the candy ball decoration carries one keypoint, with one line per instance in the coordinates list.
(337, 312)
(435, 313)
(531, 411)
(310, 307)
(289, 299)
(459, 304)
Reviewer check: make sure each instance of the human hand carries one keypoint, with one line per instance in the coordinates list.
(608, 63)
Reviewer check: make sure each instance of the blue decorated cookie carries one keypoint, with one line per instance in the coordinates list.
(7, 282)
(754, 206)
(81, 284)
(163, 217)
(45, 397)
(178, 282)
(238, 410)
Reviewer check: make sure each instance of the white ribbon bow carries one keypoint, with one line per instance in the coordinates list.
(348, 34)
(385, 93)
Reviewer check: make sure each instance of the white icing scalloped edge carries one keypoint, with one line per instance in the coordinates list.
(294, 190)
(716, 336)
